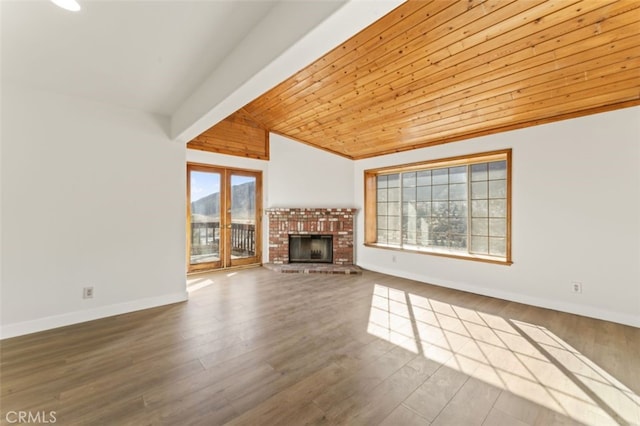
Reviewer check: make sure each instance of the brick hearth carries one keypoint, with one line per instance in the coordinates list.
(317, 221)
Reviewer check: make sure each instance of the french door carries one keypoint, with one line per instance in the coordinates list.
(223, 217)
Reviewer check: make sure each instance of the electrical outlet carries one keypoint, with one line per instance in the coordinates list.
(576, 287)
(87, 293)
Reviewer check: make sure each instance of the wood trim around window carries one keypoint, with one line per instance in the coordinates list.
(370, 201)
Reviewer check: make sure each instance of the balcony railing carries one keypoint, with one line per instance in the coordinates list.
(205, 238)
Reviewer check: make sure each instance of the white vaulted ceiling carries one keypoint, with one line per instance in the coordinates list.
(143, 55)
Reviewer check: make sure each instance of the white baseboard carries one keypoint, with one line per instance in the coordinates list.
(55, 321)
(586, 311)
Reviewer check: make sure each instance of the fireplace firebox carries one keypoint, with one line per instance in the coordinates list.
(310, 248)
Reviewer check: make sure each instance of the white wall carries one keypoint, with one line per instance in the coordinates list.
(303, 176)
(576, 217)
(90, 197)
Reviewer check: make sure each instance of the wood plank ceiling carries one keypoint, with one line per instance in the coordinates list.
(239, 134)
(432, 72)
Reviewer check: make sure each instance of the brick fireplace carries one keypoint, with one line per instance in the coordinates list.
(336, 222)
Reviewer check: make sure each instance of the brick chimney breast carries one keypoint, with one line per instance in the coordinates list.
(337, 222)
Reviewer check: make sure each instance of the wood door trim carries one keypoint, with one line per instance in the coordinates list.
(225, 261)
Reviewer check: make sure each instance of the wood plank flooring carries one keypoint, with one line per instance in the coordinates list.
(254, 347)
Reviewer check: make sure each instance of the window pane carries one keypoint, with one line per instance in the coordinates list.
(409, 194)
(409, 209)
(205, 216)
(423, 209)
(498, 227)
(394, 237)
(243, 215)
(408, 223)
(458, 242)
(440, 176)
(439, 237)
(498, 208)
(422, 237)
(480, 245)
(440, 192)
(424, 177)
(409, 179)
(393, 223)
(382, 182)
(479, 208)
(498, 170)
(458, 191)
(382, 222)
(498, 188)
(498, 246)
(424, 193)
(479, 172)
(479, 190)
(458, 209)
(458, 174)
(480, 227)
(458, 225)
(388, 208)
(440, 208)
(409, 237)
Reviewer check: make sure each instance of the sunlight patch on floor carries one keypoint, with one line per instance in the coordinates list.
(198, 284)
(525, 359)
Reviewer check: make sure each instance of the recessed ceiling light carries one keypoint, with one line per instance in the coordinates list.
(71, 5)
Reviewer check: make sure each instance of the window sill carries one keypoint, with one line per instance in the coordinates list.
(476, 258)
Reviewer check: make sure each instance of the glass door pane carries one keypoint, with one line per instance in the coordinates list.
(223, 220)
(205, 207)
(243, 218)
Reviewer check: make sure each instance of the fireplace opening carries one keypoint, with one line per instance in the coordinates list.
(310, 248)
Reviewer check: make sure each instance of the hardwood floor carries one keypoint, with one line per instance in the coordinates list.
(254, 347)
